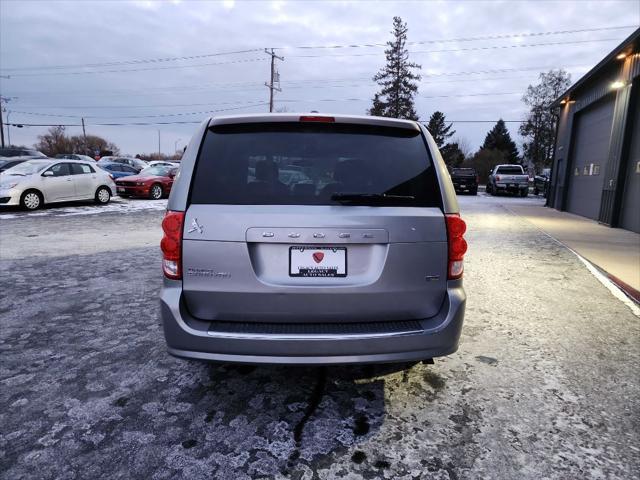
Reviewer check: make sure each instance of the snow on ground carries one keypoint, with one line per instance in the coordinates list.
(116, 205)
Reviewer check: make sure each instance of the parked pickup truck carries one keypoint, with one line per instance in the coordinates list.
(508, 178)
(465, 180)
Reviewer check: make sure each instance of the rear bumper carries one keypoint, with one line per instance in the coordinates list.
(189, 337)
(465, 186)
(513, 188)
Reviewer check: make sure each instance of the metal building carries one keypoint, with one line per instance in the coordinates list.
(596, 167)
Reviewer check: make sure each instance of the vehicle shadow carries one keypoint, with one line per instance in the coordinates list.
(289, 419)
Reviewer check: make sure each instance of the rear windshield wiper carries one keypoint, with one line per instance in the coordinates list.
(359, 197)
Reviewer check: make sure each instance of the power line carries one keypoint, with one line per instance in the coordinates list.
(144, 116)
(464, 39)
(132, 62)
(289, 83)
(254, 104)
(450, 50)
(41, 74)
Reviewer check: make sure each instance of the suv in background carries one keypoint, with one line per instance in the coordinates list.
(541, 182)
(465, 180)
(9, 152)
(359, 260)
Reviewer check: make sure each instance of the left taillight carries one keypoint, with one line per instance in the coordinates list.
(171, 244)
(457, 245)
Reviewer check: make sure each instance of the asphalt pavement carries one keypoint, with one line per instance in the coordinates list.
(545, 383)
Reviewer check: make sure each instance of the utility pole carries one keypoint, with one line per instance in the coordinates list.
(275, 76)
(159, 144)
(8, 127)
(84, 135)
(1, 125)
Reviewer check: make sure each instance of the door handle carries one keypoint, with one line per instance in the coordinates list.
(69, 179)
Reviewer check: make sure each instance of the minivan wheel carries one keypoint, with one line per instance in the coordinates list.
(155, 192)
(103, 195)
(31, 200)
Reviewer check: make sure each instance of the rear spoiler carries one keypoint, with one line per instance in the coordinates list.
(298, 117)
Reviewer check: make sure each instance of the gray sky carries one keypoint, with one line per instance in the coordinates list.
(37, 37)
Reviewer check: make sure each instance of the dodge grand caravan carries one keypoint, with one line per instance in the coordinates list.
(355, 258)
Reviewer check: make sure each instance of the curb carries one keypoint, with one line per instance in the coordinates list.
(628, 290)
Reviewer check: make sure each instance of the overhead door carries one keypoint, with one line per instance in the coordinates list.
(630, 215)
(592, 134)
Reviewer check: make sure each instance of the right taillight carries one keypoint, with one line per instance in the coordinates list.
(457, 245)
(497, 178)
(171, 244)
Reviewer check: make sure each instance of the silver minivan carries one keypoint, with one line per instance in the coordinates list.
(357, 258)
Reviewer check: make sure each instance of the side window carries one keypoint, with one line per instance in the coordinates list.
(80, 168)
(60, 169)
(127, 168)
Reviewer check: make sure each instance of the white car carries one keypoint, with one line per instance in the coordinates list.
(163, 163)
(34, 183)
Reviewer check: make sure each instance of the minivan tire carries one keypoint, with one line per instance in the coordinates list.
(103, 195)
(155, 192)
(31, 200)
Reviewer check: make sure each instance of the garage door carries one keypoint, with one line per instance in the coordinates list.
(592, 134)
(630, 216)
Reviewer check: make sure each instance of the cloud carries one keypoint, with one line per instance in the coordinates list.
(46, 33)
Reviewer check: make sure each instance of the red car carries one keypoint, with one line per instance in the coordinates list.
(152, 182)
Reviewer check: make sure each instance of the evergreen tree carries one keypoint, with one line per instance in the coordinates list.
(499, 138)
(452, 155)
(378, 107)
(439, 129)
(397, 81)
(539, 129)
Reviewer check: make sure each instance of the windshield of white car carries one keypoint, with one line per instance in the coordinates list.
(156, 170)
(27, 168)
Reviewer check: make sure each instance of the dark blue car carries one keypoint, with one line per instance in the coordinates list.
(118, 170)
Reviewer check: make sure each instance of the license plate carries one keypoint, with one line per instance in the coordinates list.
(121, 189)
(317, 261)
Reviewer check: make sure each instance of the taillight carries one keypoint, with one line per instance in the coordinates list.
(317, 118)
(477, 178)
(171, 244)
(497, 178)
(457, 245)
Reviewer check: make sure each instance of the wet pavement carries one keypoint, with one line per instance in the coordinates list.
(545, 383)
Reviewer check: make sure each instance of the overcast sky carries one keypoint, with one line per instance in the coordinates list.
(466, 77)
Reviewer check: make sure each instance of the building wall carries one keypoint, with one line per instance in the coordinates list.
(608, 190)
(630, 202)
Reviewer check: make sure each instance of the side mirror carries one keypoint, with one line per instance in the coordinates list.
(48, 173)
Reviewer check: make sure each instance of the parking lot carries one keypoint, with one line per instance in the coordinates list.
(544, 385)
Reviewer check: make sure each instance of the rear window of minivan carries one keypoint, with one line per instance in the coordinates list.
(308, 164)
